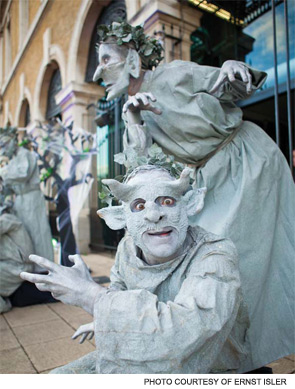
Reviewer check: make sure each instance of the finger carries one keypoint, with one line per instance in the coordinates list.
(126, 106)
(43, 287)
(81, 330)
(77, 333)
(220, 80)
(83, 337)
(247, 79)
(134, 102)
(249, 84)
(142, 97)
(43, 262)
(34, 278)
(91, 334)
(76, 259)
(231, 75)
(151, 96)
(156, 110)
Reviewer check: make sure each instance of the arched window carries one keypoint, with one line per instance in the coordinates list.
(116, 10)
(53, 110)
(25, 114)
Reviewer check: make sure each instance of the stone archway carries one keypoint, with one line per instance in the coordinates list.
(42, 93)
(80, 42)
(82, 46)
(24, 117)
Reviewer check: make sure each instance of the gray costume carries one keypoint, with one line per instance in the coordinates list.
(22, 176)
(15, 248)
(182, 316)
(250, 192)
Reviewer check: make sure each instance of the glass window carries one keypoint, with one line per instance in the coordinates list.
(55, 86)
(262, 55)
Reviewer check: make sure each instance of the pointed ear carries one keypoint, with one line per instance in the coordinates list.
(195, 201)
(134, 63)
(114, 216)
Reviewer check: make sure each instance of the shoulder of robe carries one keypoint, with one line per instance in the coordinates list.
(167, 70)
(125, 247)
(208, 243)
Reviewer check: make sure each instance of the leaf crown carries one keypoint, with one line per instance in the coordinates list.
(148, 48)
(133, 161)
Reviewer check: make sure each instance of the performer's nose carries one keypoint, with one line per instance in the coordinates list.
(98, 72)
(153, 213)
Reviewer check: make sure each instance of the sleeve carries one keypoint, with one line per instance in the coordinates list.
(204, 77)
(137, 333)
(8, 223)
(19, 169)
(117, 282)
(136, 137)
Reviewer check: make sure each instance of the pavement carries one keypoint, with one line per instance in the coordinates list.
(37, 339)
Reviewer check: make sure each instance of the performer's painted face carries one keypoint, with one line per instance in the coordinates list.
(156, 216)
(113, 69)
(155, 211)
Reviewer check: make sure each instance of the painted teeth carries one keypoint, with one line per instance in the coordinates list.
(160, 232)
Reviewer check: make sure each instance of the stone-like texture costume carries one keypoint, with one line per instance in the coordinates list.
(22, 176)
(250, 196)
(182, 316)
(15, 248)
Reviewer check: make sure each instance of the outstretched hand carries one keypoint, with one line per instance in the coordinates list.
(228, 72)
(141, 102)
(86, 331)
(71, 285)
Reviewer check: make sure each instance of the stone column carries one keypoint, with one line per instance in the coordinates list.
(175, 19)
(75, 101)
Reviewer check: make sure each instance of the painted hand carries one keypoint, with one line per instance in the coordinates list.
(86, 330)
(229, 71)
(141, 102)
(71, 285)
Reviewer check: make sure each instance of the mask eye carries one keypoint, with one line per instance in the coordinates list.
(166, 201)
(105, 59)
(137, 205)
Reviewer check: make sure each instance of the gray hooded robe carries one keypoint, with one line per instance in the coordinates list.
(184, 316)
(22, 176)
(250, 191)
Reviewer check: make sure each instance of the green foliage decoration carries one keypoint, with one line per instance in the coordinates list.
(149, 49)
(131, 160)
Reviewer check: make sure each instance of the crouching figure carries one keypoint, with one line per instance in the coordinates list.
(174, 304)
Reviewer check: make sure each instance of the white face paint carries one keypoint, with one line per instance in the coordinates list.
(113, 69)
(156, 217)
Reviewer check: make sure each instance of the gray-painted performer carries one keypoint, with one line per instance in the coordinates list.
(175, 303)
(250, 191)
(21, 175)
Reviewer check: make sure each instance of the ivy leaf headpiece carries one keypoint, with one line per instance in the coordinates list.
(149, 49)
(132, 161)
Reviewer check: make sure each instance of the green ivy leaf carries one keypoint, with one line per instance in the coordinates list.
(128, 38)
(154, 150)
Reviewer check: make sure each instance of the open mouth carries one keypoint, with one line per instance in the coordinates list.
(162, 234)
